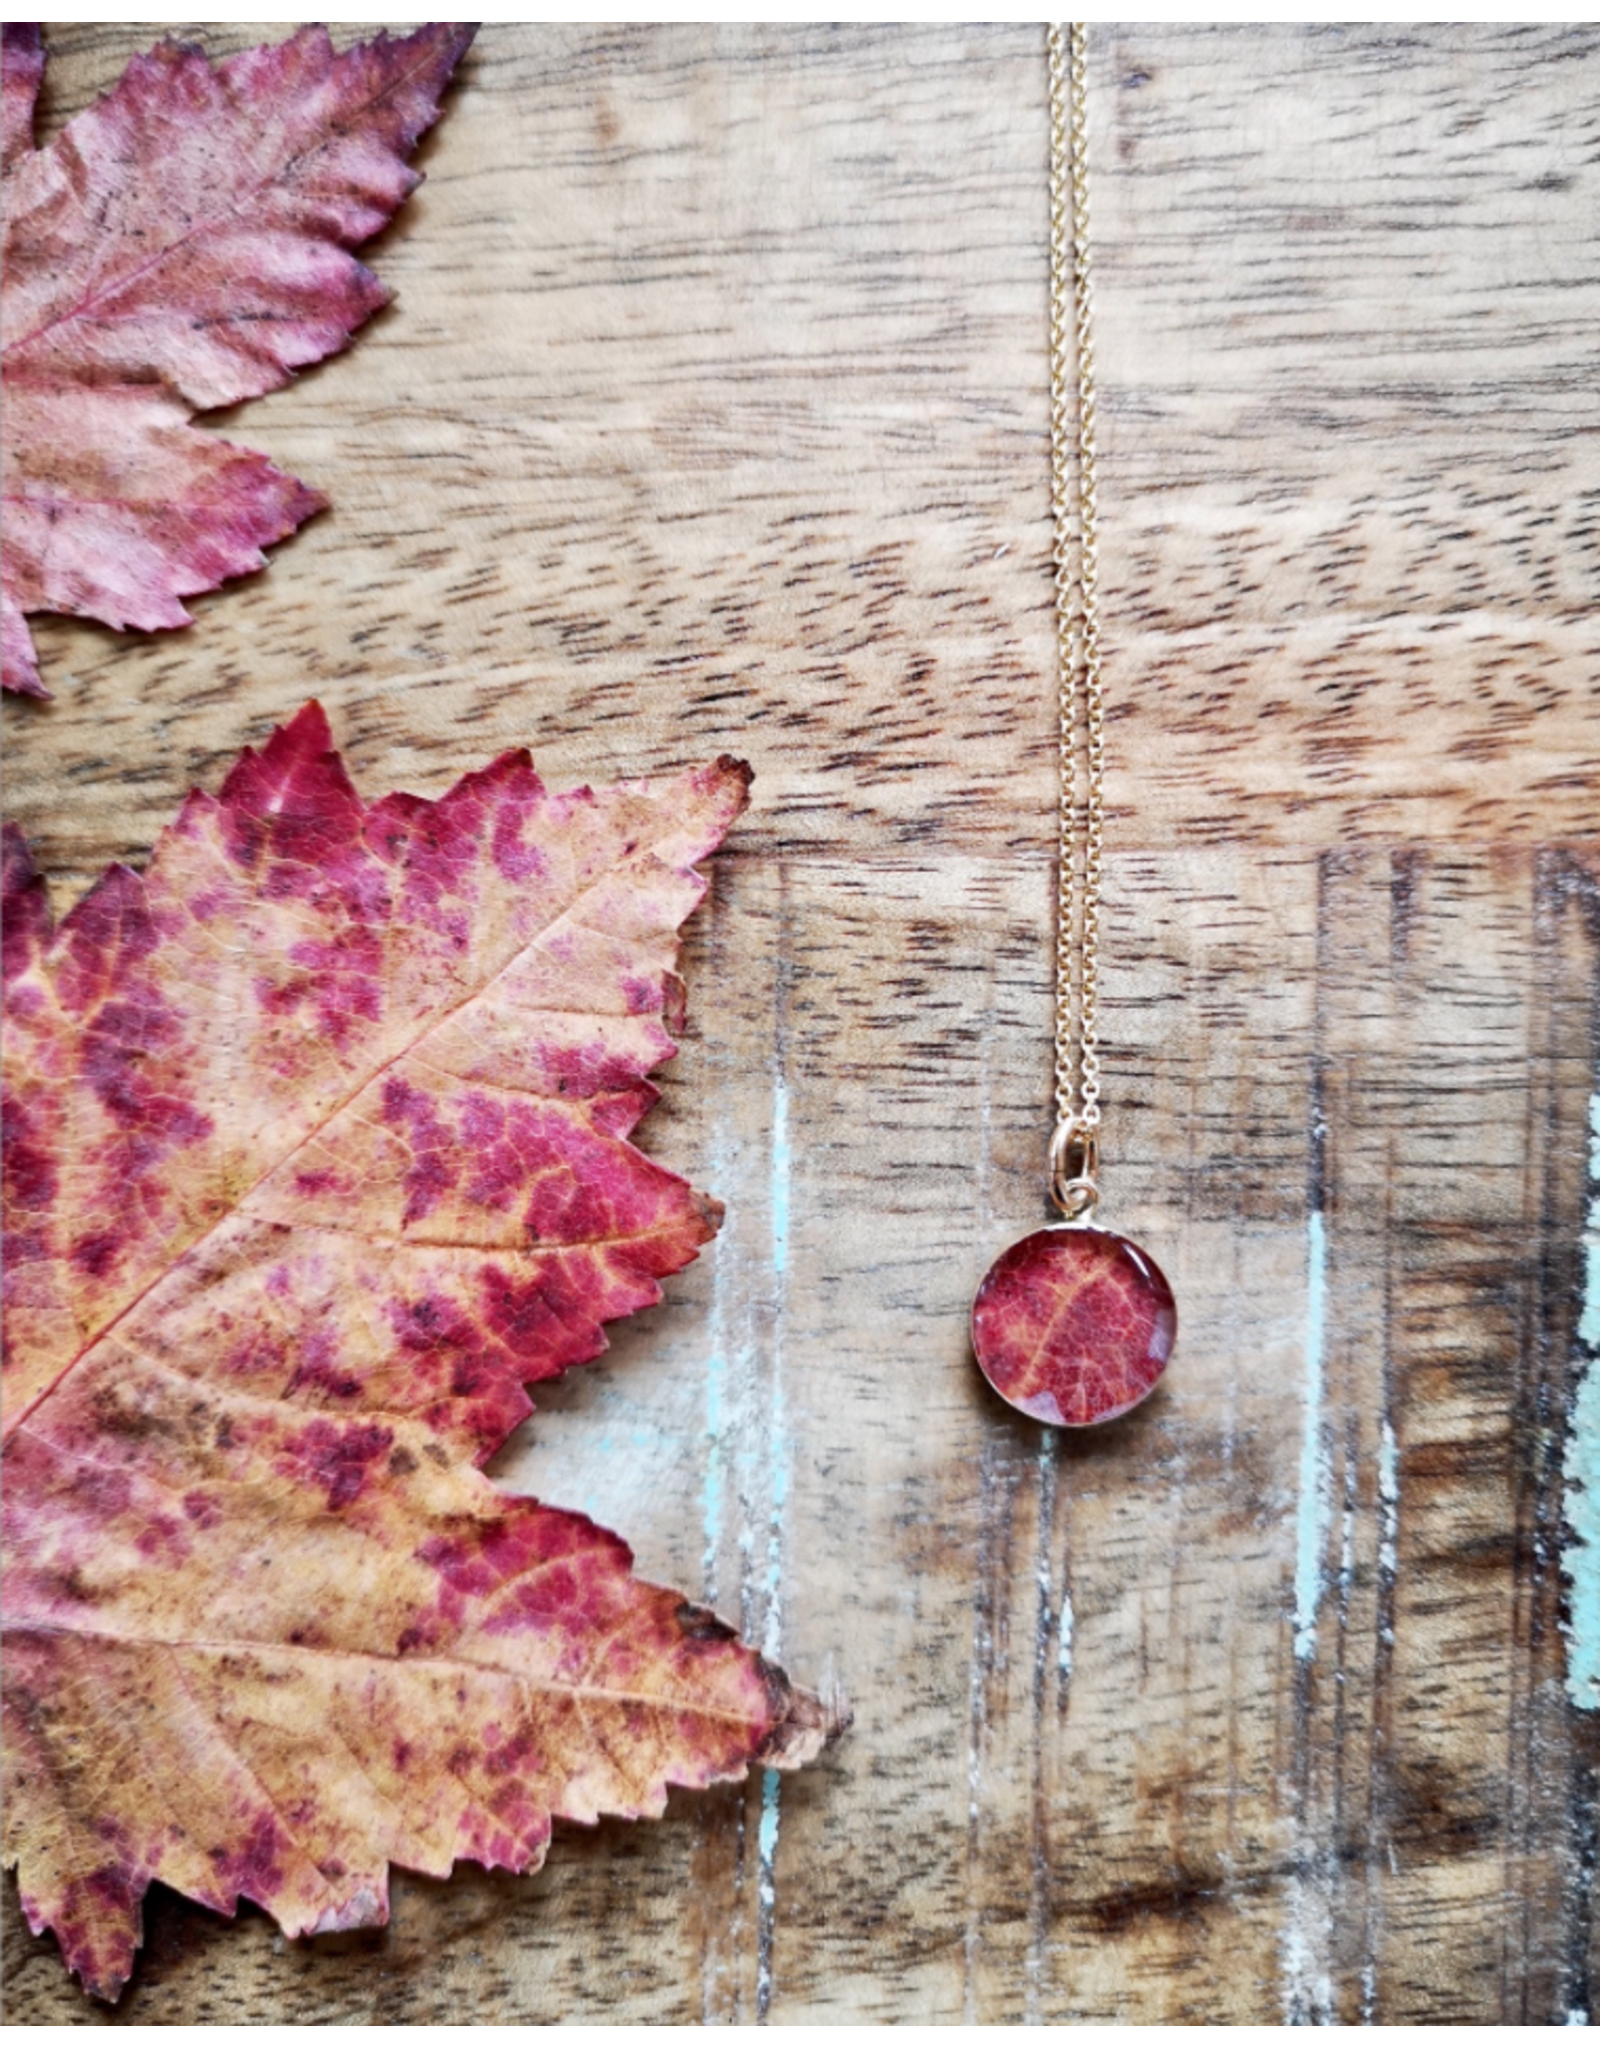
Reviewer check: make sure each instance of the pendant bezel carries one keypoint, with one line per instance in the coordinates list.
(1081, 1376)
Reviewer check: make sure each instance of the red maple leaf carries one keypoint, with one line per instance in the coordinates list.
(183, 243)
(316, 1151)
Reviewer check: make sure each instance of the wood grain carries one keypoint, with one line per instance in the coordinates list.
(710, 415)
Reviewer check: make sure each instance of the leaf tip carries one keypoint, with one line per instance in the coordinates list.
(102, 1959)
(732, 778)
(19, 665)
(304, 501)
(718, 793)
(305, 737)
(296, 773)
(808, 1723)
(419, 65)
(450, 40)
(711, 1214)
(733, 770)
(309, 730)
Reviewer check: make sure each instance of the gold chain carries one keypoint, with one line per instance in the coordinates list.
(1074, 1148)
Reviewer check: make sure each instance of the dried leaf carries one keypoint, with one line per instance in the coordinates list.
(182, 244)
(316, 1152)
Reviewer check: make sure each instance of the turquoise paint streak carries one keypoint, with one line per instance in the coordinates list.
(1581, 1466)
(1311, 1516)
(767, 1834)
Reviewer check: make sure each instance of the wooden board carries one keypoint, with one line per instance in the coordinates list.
(711, 414)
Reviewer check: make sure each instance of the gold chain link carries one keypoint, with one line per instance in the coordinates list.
(1080, 831)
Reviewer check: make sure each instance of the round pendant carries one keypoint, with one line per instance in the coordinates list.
(1074, 1325)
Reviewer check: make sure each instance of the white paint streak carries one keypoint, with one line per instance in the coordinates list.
(1580, 1560)
(778, 1466)
(780, 1178)
(1064, 1639)
(982, 1650)
(1311, 1515)
(1388, 1498)
(1347, 1574)
(777, 1426)
(711, 1493)
(1388, 1514)
(1307, 1982)
(981, 1643)
(716, 1428)
(1309, 1998)
(1045, 1621)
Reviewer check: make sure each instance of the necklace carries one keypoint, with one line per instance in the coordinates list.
(1074, 1324)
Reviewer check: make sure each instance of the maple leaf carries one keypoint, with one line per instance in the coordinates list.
(184, 243)
(316, 1151)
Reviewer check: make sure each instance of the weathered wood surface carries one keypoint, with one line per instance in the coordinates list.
(711, 415)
